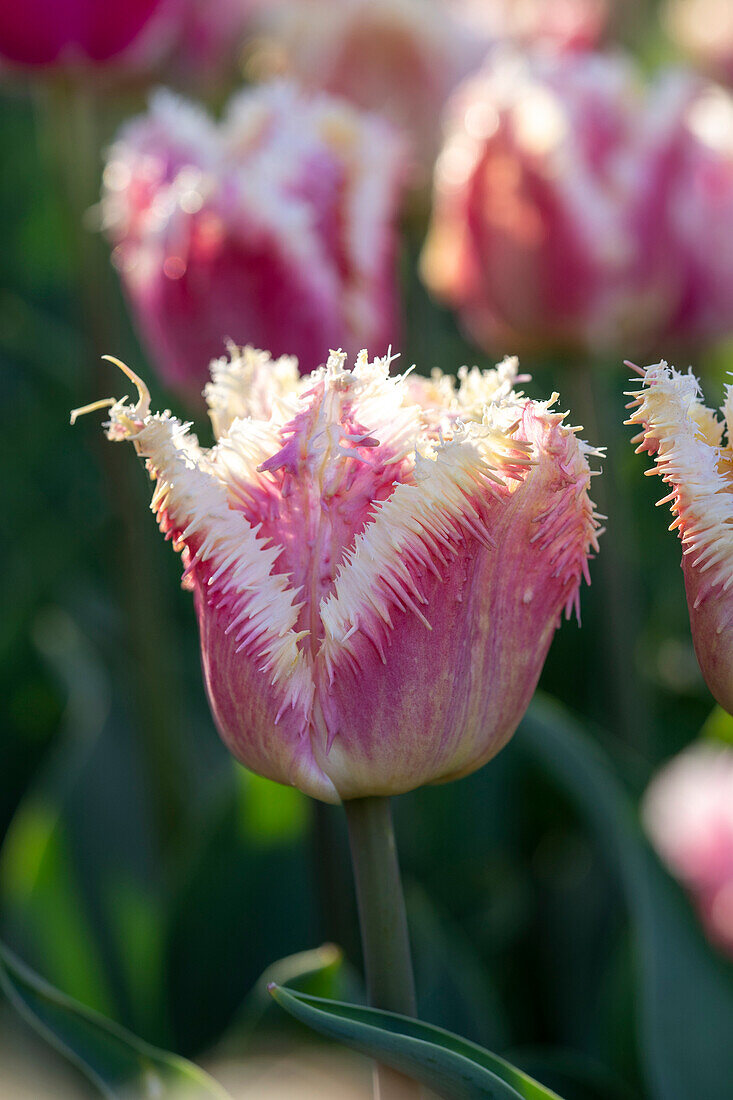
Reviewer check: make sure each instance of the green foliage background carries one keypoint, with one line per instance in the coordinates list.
(149, 877)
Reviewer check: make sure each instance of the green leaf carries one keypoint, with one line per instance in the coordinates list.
(453, 1067)
(686, 1051)
(120, 1065)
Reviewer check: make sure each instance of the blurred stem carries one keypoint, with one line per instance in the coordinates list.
(383, 921)
(71, 128)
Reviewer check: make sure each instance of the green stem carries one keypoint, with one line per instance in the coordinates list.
(383, 921)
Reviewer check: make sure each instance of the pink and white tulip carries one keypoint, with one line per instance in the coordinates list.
(696, 188)
(572, 210)
(550, 24)
(275, 227)
(529, 240)
(686, 440)
(378, 563)
(688, 813)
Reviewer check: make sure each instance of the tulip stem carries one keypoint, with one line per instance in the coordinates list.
(383, 921)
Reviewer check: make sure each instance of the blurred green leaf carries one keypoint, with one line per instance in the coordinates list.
(451, 1066)
(686, 1051)
(718, 727)
(119, 1064)
(244, 897)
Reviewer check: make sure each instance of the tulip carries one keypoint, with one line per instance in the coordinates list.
(377, 574)
(573, 212)
(45, 32)
(685, 439)
(398, 58)
(554, 24)
(688, 813)
(528, 239)
(697, 178)
(276, 227)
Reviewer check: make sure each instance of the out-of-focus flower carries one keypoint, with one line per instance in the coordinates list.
(696, 191)
(573, 211)
(276, 227)
(688, 813)
(555, 24)
(207, 41)
(378, 563)
(704, 30)
(529, 238)
(45, 32)
(686, 441)
(398, 58)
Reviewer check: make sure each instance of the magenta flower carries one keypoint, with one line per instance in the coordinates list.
(688, 813)
(44, 32)
(686, 441)
(276, 227)
(572, 211)
(378, 564)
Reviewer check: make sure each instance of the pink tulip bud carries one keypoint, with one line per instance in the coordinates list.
(378, 563)
(276, 227)
(572, 211)
(688, 813)
(47, 32)
(704, 30)
(686, 441)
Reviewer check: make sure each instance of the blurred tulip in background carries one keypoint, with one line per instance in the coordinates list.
(686, 441)
(688, 813)
(185, 41)
(275, 227)
(399, 58)
(573, 211)
(73, 32)
(354, 538)
(555, 24)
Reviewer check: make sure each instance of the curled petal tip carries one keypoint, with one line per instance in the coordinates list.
(142, 408)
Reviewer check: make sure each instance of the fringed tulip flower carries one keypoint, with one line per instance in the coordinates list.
(275, 227)
(688, 813)
(572, 211)
(686, 440)
(378, 563)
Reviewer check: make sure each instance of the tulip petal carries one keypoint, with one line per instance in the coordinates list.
(685, 440)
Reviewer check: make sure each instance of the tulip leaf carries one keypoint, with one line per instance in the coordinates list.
(453, 1067)
(686, 1052)
(120, 1065)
